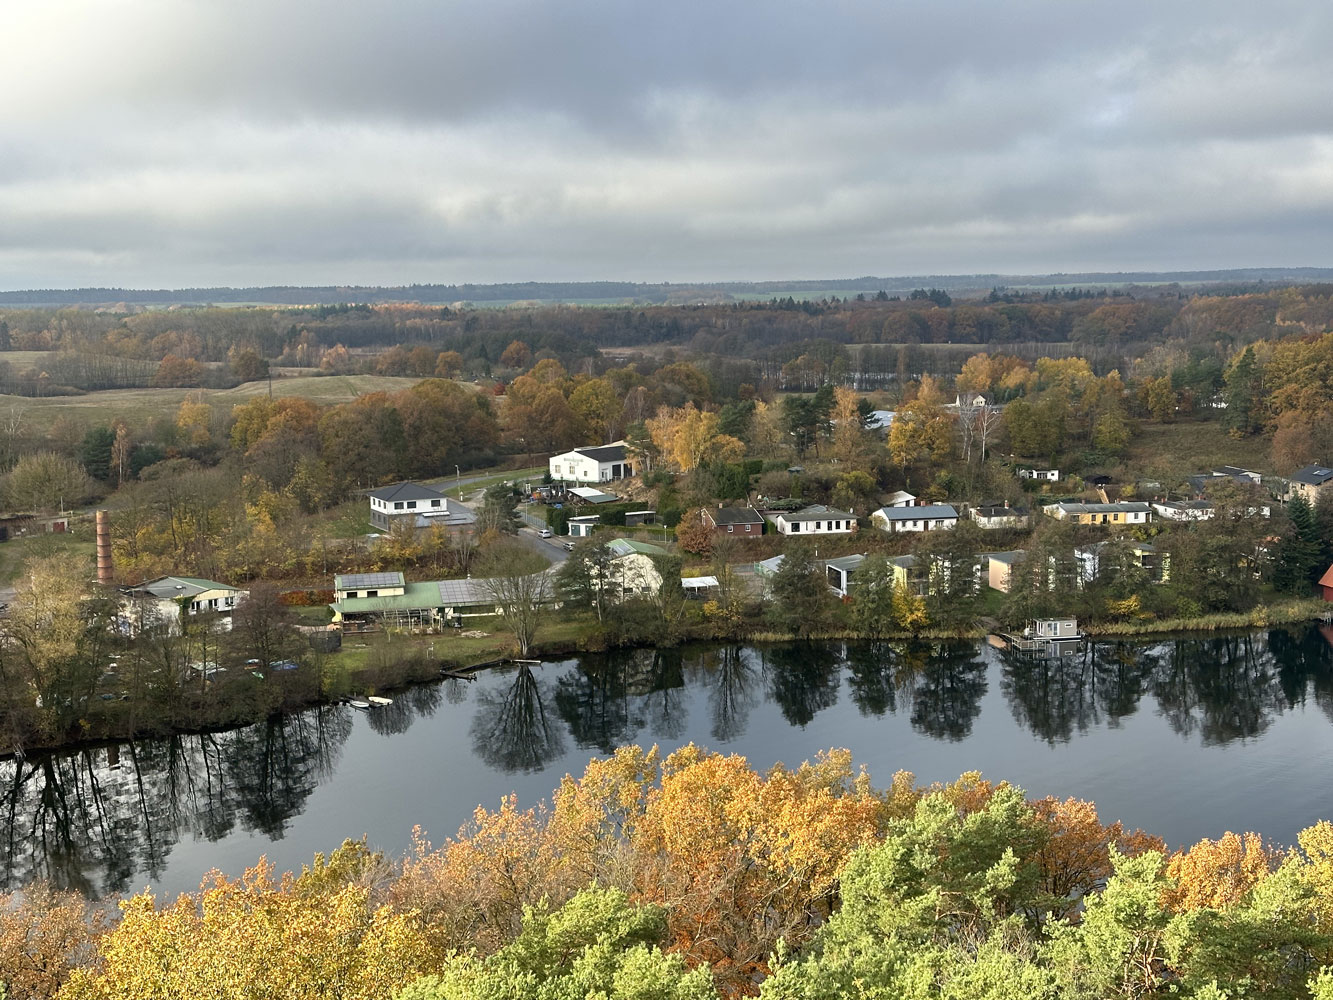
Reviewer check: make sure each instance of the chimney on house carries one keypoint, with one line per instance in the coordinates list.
(105, 575)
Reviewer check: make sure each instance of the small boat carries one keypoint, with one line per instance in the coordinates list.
(379, 701)
(358, 703)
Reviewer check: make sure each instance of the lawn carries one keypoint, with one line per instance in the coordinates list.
(1194, 446)
(77, 544)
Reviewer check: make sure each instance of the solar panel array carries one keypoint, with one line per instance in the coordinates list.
(369, 581)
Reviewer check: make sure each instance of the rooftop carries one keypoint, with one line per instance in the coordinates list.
(733, 515)
(819, 512)
(627, 547)
(604, 453)
(405, 491)
(179, 586)
(1313, 475)
(365, 581)
(930, 510)
(847, 564)
(1124, 507)
(1010, 557)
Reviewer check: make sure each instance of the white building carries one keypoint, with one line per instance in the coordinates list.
(591, 465)
(996, 515)
(900, 498)
(929, 517)
(422, 504)
(632, 572)
(1124, 512)
(1183, 510)
(171, 599)
(1042, 475)
(581, 527)
(815, 520)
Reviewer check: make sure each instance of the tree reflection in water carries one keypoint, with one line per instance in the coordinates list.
(949, 683)
(94, 819)
(803, 678)
(1221, 688)
(511, 730)
(733, 683)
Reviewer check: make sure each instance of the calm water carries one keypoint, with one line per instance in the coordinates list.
(1186, 738)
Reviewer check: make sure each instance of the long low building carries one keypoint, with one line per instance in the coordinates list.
(928, 517)
(413, 605)
(1125, 512)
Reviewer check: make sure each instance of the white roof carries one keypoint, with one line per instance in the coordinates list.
(698, 582)
(929, 511)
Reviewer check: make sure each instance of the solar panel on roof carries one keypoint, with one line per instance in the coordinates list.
(356, 581)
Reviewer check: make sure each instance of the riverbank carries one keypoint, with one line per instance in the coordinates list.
(379, 665)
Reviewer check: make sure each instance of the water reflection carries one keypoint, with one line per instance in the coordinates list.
(512, 730)
(106, 819)
(95, 819)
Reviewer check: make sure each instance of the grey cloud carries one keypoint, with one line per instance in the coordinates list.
(169, 142)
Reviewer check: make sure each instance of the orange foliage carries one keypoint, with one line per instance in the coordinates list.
(1218, 874)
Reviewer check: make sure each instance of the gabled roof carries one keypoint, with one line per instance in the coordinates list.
(898, 496)
(1327, 579)
(847, 564)
(818, 512)
(405, 491)
(629, 547)
(604, 453)
(1010, 557)
(180, 586)
(363, 581)
(931, 511)
(733, 515)
(1313, 475)
(999, 510)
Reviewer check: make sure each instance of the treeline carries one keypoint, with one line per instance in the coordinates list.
(1118, 325)
(694, 876)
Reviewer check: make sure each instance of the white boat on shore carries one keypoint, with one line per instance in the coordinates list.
(379, 702)
(358, 703)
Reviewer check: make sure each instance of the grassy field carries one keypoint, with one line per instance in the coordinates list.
(1195, 446)
(78, 545)
(139, 405)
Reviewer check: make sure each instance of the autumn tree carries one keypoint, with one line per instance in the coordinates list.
(178, 373)
(45, 481)
(516, 355)
(516, 579)
(688, 438)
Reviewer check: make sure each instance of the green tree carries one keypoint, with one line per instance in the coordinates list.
(499, 510)
(1299, 554)
(802, 602)
(45, 481)
(95, 452)
(596, 945)
(872, 603)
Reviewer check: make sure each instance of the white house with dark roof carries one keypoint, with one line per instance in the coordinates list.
(929, 517)
(1000, 515)
(422, 504)
(1310, 482)
(592, 465)
(817, 519)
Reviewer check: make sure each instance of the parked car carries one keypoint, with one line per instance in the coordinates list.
(569, 546)
(545, 533)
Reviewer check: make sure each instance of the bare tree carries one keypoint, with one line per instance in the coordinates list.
(521, 588)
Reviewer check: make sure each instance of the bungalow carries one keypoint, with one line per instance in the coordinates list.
(997, 515)
(815, 520)
(1042, 475)
(1144, 555)
(732, 520)
(1309, 482)
(900, 498)
(1000, 569)
(930, 517)
(1124, 512)
(592, 465)
(921, 577)
(169, 599)
(632, 571)
(422, 504)
(1183, 510)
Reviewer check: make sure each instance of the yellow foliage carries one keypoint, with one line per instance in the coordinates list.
(1218, 874)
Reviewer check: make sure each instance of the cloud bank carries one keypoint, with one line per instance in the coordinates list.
(154, 143)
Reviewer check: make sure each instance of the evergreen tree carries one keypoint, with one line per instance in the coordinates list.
(95, 452)
(802, 601)
(1299, 553)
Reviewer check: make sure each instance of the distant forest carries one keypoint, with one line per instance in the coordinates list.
(643, 292)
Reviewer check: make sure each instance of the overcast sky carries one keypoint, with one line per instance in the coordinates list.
(163, 143)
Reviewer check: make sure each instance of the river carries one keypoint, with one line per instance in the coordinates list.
(1186, 738)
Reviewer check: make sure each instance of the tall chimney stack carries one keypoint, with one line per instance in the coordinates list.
(104, 573)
